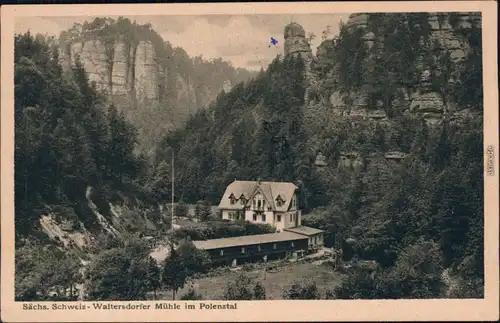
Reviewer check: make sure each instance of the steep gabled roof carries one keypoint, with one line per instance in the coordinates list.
(270, 190)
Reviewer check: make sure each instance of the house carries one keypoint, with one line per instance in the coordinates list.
(274, 203)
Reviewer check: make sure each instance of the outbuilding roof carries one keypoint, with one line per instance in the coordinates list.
(307, 231)
(248, 240)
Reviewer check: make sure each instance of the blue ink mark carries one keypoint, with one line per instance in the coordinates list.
(273, 41)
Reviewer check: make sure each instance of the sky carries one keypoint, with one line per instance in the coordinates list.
(243, 40)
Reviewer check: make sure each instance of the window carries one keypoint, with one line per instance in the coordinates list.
(233, 200)
(279, 201)
(264, 217)
(242, 250)
(269, 208)
(293, 244)
(230, 216)
(259, 204)
(222, 252)
(291, 217)
(278, 218)
(258, 248)
(243, 201)
(254, 204)
(274, 246)
(255, 217)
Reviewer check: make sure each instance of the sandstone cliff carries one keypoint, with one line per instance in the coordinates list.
(442, 47)
(154, 84)
(385, 65)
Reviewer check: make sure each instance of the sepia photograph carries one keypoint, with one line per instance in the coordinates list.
(162, 158)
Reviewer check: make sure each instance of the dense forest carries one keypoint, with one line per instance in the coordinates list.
(418, 222)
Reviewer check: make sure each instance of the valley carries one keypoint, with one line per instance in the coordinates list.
(380, 131)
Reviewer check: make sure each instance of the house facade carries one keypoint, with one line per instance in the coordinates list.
(273, 203)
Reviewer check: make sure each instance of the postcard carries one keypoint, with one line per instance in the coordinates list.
(260, 162)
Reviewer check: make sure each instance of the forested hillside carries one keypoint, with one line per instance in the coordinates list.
(404, 189)
(79, 186)
(73, 155)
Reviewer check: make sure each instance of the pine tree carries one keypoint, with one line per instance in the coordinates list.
(174, 276)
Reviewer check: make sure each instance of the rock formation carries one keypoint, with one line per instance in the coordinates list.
(350, 160)
(357, 20)
(226, 86)
(119, 69)
(420, 93)
(419, 98)
(320, 160)
(429, 104)
(296, 44)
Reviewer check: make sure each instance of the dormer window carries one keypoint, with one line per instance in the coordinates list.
(279, 201)
(232, 199)
(243, 200)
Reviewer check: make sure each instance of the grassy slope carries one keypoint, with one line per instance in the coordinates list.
(212, 288)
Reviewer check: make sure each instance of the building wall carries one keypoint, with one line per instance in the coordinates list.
(253, 253)
(280, 225)
(293, 203)
(231, 214)
(292, 219)
(269, 217)
(316, 240)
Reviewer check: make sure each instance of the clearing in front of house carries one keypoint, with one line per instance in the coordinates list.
(212, 288)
